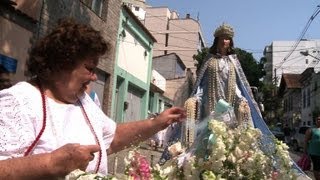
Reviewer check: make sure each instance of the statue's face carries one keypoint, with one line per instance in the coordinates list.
(224, 43)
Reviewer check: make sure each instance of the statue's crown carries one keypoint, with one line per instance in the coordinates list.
(224, 29)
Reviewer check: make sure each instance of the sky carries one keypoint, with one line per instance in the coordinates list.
(256, 22)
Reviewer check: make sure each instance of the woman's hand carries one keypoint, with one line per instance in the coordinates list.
(70, 157)
(170, 116)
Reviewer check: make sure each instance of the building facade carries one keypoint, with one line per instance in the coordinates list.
(278, 61)
(179, 79)
(174, 34)
(310, 96)
(182, 36)
(18, 22)
(290, 91)
(133, 69)
(22, 24)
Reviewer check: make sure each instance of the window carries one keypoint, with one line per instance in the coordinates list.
(290, 103)
(308, 97)
(285, 105)
(94, 5)
(97, 6)
(304, 99)
(179, 71)
(151, 99)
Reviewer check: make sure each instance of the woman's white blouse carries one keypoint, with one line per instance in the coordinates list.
(21, 119)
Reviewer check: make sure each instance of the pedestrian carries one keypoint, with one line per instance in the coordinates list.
(93, 95)
(287, 133)
(50, 126)
(312, 146)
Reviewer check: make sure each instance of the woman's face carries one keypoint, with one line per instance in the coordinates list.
(224, 43)
(318, 121)
(72, 84)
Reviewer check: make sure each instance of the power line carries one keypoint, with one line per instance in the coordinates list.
(315, 13)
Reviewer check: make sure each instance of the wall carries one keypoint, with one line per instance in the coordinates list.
(18, 24)
(15, 43)
(182, 36)
(133, 57)
(133, 69)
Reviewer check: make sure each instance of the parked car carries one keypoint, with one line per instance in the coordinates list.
(278, 133)
(297, 139)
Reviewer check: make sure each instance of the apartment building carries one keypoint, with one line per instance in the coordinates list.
(281, 59)
(174, 33)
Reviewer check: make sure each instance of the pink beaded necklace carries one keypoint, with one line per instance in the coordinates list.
(44, 120)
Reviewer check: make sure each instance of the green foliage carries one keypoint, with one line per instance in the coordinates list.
(200, 56)
(272, 102)
(251, 68)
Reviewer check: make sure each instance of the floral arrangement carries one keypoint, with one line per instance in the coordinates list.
(221, 152)
(230, 154)
(82, 175)
(137, 167)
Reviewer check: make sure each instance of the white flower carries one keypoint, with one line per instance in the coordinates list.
(82, 175)
(74, 174)
(175, 149)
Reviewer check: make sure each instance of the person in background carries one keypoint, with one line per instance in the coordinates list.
(287, 133)
(312, 147)
(50, 126)
(93, 95)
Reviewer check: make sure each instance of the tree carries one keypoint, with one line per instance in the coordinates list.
(252, 69)
(272, 103)
(200, 57)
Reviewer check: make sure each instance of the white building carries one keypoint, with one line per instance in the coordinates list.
(279, 61)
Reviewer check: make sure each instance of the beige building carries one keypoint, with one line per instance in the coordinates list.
(174, 33)
(182, 36)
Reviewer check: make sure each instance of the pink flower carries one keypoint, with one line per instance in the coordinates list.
(140, 168)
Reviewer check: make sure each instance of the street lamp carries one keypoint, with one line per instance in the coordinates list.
(306, 53)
